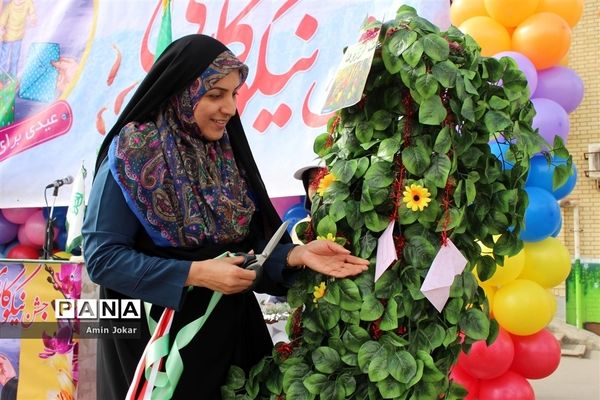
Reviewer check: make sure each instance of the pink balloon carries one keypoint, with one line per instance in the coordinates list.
(525, 65)
(24, 239)
(551, 119)
(562, 85)
(536, 356)
(508, 386)
(35, 228)
(469, 382)
(487, 362)
(18, 215)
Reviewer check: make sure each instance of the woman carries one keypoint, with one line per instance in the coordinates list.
(176, 186)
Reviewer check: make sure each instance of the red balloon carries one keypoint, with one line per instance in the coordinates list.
(508, 386)
(23, 251)
(536, 356)
(469, 382)
(487, 362)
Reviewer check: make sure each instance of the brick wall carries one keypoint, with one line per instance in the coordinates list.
(584, 58)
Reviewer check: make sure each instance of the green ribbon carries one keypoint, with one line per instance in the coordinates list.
(166, 381)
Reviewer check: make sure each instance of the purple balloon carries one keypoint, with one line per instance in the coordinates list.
(561, 85)
(524, 65)
(8, 230)
(551, 119)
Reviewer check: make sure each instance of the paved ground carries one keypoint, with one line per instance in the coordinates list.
(575, 379)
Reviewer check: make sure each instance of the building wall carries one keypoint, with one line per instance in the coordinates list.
(584, 58)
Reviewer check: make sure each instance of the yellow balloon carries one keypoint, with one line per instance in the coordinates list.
(63, 255)
(570, 10)
(462, 10)
(513, 266)
(552, 303)
(522, 307)
(489, 34)
(510, 12)
(547, 262)
(490, 292)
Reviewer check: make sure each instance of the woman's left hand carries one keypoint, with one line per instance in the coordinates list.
(328, 258)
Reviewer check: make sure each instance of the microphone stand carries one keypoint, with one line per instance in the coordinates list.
(49, 235)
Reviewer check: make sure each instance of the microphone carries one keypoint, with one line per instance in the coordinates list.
(59, 182)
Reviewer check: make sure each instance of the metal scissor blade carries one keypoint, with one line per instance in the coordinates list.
(273, 241)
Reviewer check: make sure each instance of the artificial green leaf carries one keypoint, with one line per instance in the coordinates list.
(438, 170)
(378, 365)
(452, 310)
(496, 121)
(443, 141)
(364, 131)
(325, 359)
(326, 226)
(347, 381)
(432, 111)
(380, 174)
(315, 383)
(445, 72)
(344, 170)
(390, 316)
(274, 382)
(415, 159)
(381, 119)
(388, 148)
(354, 337)
(366, 353)
(436, 47)
(337, 211)
(321, 147)
(235, 378)
(390, 388)
(297, 391)
(402, 366)
(468, 109)
(400, 41)
(561, 175)
(486, 266)
(376, 222)
(426, 85)
(497, 103)
(350, 299)
(371, 308)
(413, 54)
(353, 215)
(333, 391)
(475, 324)
(296, 372)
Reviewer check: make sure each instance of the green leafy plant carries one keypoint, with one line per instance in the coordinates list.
(429, 109)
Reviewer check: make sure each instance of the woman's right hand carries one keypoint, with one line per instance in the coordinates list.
(221, 275)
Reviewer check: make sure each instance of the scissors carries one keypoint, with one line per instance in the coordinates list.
(255, 262)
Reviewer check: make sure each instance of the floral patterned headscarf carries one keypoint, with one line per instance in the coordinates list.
(186, 191)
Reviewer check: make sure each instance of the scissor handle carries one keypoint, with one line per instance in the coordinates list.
(251, 262)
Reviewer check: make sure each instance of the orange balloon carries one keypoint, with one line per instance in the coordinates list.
(462, 10)
(570, 10)
(544, 38)
(564, 62)
(510, 12)
(490, 35)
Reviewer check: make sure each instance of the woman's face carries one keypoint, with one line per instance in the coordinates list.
(217, 106)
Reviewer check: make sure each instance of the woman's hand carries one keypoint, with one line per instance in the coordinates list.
(221, 275)
(328, 258)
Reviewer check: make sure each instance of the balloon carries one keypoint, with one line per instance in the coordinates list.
(557, 231)
(540, 175)
(462, 10)
(508, 386)
(21, 251)
(490, 292)
(544, 38)
(469, 382)
(525, 65)
(490, 35)
(547, 262)
(8, 230)
(509, 271)
(522, 307)
(542, 216)
(35, 228)
(487, 362)
(552, 304)
(500, 150)
(295, 214)
(24, 239)
(18, 215)
(562, 85)
(551, 119)
(510, 12)
(570, 10)
(536, 356)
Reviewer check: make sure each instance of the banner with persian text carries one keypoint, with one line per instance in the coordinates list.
(67, 68)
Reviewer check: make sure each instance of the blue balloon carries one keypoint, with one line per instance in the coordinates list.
(500, 150)
(557, 231)
(294, 214)
(540, 175)
(542, 216)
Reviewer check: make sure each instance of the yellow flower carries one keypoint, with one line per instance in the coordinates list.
(329, 237)
(416, 197)
(319, 291)
(325, 182)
